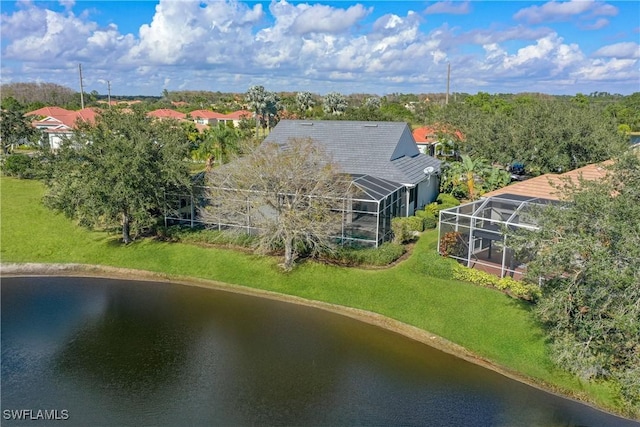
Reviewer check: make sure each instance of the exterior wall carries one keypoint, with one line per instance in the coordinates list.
(427, 192)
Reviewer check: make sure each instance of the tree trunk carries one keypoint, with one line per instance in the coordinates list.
(288, 254)
(126, 234)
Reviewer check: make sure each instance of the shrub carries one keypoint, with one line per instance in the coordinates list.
(432, 209)
(446, 200)
(516, 288)
(415, 224)
(401, 230)
(452, 244)
(207, 236)
(20, 165)
(383, 255)
(429, 222)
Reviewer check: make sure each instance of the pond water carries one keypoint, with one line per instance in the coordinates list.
(113, 352)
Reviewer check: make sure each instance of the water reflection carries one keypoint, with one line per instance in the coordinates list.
(134, 353)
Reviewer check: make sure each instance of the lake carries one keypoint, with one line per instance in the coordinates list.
(111, 352)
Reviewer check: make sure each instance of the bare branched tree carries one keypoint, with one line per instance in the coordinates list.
(291, 194)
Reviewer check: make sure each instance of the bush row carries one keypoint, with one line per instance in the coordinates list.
(22, 166)
(206, 236)
(517, 288)
(385, 254)
(405, 228)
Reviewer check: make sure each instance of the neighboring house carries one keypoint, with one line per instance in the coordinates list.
(58, 123)
(204, 117)
(473, 233)
(165, 113)
(237, 116)
(428, 140)
(391, 175)
(212, 118)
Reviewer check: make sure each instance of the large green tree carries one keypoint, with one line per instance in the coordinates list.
(545, 134)
(15, 129)
(587, 253)
(115, 172)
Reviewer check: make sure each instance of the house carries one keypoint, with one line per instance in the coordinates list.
(428, 139)
(384, 150)
(212, 118)
(390, 175)
(165, 113)
(58, 123)
(473, 233)
(204, 117)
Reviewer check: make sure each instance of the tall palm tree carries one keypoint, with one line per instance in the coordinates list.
(257, 98)
(305, 102)
(472, 170)
(217, 145)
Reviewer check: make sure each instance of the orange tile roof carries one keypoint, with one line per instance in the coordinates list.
(49, 112)
(65, 117)
(204, 114)
(428, 134)
(165, 113)
(544, 186)
(237, 115)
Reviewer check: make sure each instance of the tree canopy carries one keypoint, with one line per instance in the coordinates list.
(285, 192)
(546, 135)
(115, 172)
(588, 254)
(15, 129)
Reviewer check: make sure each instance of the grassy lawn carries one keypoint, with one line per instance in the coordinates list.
(418, 291)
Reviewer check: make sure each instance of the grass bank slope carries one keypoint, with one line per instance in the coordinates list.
(418, 291)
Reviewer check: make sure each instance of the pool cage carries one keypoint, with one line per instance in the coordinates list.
(475, 233)
(365, 216)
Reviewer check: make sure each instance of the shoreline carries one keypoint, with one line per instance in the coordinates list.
(372, 318)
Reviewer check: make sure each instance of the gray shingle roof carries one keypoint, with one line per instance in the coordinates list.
(381, 149)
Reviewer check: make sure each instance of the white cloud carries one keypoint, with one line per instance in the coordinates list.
(598, 24)
(327, 19)
(497, 35)
(449, 7)
(612, 69)
(182, 31)
(68, 4)
(619, 50)
(35, 34)
(560, 11)
(230, 45)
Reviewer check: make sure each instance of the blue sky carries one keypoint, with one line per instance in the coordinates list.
(376, 47)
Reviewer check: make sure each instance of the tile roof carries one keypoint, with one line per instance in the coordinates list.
(240, 114)
(544, 186)
(49, 112)
(165, 113)
(55, 116)
(203, 114)
(428, 134)
(381, 149)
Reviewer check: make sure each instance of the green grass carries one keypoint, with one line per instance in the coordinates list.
(418, 291)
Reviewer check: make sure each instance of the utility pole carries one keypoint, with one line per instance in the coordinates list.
(448, 80)
(81, 87)
(109, 92)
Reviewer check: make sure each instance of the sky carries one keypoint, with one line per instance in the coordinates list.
(373, 47)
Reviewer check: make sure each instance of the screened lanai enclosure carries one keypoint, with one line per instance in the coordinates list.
(475, 233)
(363, 218)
